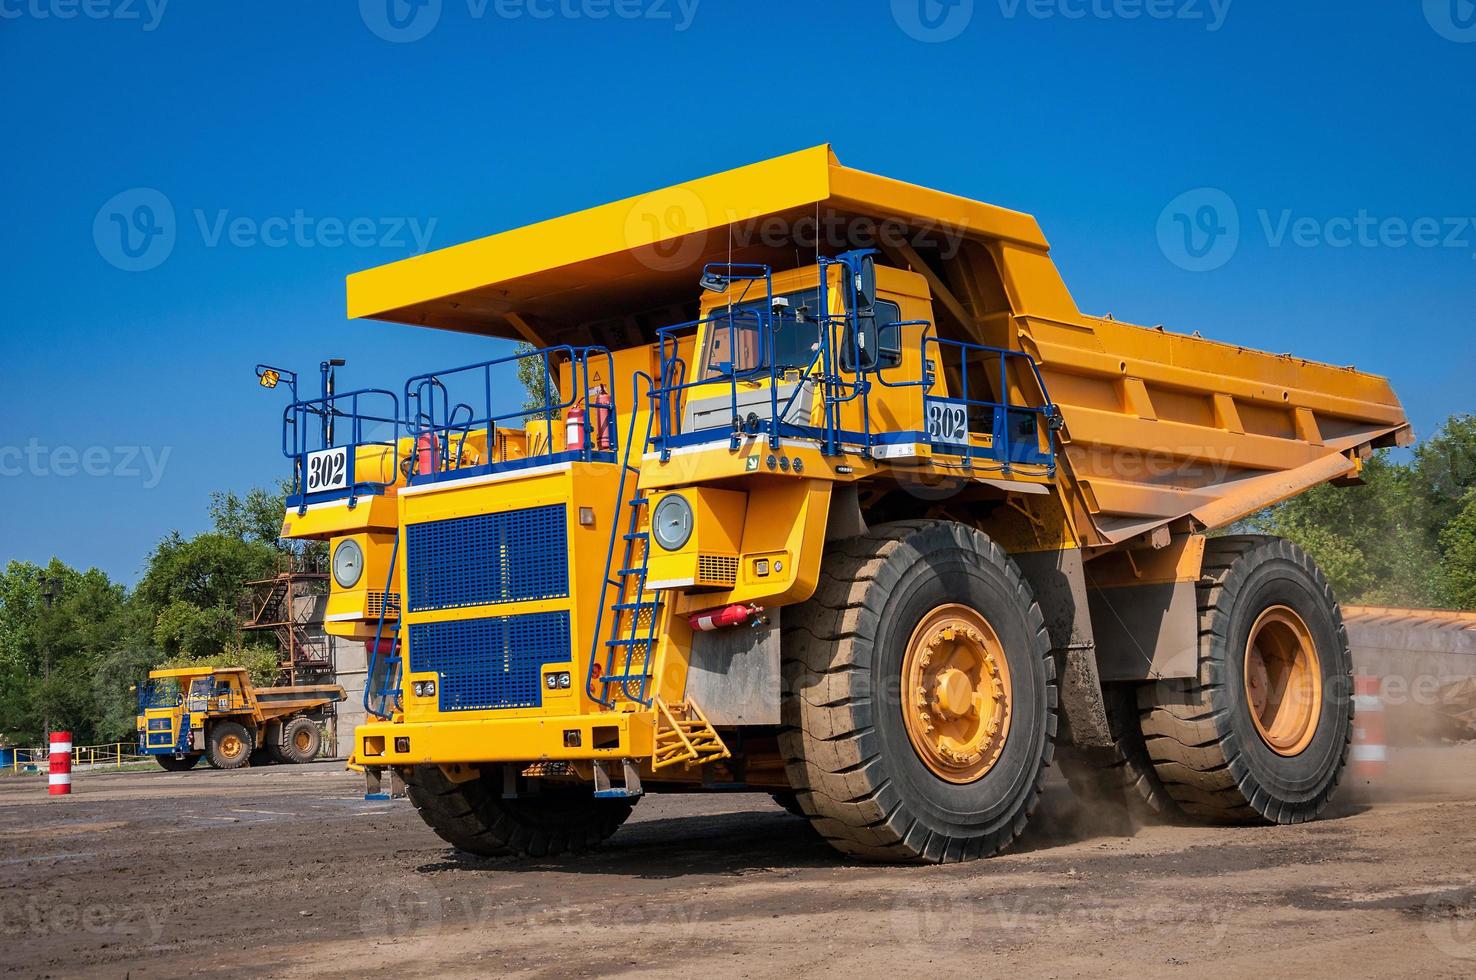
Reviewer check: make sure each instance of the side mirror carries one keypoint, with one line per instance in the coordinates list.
(866, 283)
(713, 282)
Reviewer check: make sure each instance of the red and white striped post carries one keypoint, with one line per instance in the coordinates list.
(1370, 746)
(60, 783)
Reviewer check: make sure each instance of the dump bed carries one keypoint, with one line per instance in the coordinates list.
(275, 702)
(1159, 427)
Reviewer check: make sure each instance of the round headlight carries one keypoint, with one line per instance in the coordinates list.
(348, 564)
(671, 522)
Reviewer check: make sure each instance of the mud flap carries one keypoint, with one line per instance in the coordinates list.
(734, 674)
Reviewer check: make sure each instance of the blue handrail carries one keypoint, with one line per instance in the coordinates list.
(621, 505)
(318, 472)
(839, 386)
(434, 424)
(382, 680)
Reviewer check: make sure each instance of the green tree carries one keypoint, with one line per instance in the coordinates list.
(1444, 467)
(194, 586)
(539, 387)
(49, 655)
(255, 517)
(1458, 543)
(1370, 540)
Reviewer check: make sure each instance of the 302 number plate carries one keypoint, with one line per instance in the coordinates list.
(947, 422)
(327, 469)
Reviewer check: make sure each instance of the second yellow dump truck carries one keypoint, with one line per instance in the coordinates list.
(827, 489)
(186, 714)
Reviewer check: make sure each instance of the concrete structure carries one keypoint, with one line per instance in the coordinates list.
(349, 668)
(1421, 657)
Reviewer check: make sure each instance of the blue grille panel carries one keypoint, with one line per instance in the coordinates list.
(493, 662)
(513, 556)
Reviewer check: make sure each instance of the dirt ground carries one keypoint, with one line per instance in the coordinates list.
(289, 872)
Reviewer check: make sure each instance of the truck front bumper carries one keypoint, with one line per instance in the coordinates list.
(609, 735)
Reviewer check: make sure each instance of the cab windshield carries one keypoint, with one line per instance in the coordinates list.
(735, 338)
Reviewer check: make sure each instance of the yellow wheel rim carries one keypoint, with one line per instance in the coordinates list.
(301, 740)
(956, 693)
(1283, 681)
(231, 746)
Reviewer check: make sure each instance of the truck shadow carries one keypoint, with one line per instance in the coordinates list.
(761, 840)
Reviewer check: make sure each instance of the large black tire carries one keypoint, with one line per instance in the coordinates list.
(300, 741)
(1205, 746)
(1120, 779)
(228, 745)
(170, 763)
(845, 743)
(474, 817)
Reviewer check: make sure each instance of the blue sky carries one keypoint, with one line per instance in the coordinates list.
(1341, 134)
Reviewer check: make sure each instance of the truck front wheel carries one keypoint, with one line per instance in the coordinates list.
(919, 705)
(474, 816)
(177, 763)
(228, 745)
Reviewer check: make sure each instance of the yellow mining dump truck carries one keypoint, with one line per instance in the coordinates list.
(828, 490)
(189, 713)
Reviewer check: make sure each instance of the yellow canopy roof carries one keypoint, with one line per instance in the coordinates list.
(548, 281)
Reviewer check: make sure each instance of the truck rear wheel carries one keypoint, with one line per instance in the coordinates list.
(474, 817)
(1262, 734)
(300, 741)
(228, 745)
(920, 698)
(177, 763)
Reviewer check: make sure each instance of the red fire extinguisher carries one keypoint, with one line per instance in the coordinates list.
(574, 427)
(600, 417)
(724, 617)
(425, 453)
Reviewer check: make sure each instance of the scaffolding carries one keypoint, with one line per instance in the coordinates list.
(282, 606)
